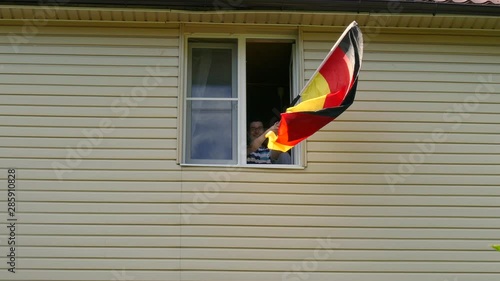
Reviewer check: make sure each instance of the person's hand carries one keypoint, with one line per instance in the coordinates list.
(275, 127)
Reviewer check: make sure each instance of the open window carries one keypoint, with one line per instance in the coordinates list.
(269, 82)
(230, 82)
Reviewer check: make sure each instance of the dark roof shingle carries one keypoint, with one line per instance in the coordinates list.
(434, 7)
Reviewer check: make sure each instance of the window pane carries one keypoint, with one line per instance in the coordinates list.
(212, 130)
(211, 72)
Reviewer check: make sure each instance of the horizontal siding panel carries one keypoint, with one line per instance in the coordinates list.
(422, 106)
(334, 244)
(326, 178)
(316, 50)
(413, 127)
(351, 200)
(88, 150)
(90, 60)
(86, 90)
(422, 147)
(96, 164)
(209, 231)
(433, 57)
(78, 80)
(337, 221)
(434, 48)
(88, 101)
(122, 143)
(100, 208)
(95, 264)
(86, 122)
(93, 197)
(373, 211)
(375, 255)
(108, 241)
(343, 266)
(430, 97)
(263, 189)
(96, 275)
(101, 252)
(108, 40)
(192, 260)
(441, 136)
(95, 185)
(409, 74)
(163, 219)
(377, 168)
(261, 209)
(328, 276)
(102, 70)
(107, 31)
(83, 132)
(433, 87)
(58, 49)
(332, 188)
(438, 117)
(104, 231)
(415, 76)
(313, 61)
(76, 111)
(338, 232)
(324, 41)
(65, 171)
(470, 68)
(435, 158)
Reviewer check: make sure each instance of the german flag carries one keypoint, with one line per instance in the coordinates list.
(329, 92)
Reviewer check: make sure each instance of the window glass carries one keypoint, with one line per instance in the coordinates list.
(212, 133)
(211, 111)
(211, 73)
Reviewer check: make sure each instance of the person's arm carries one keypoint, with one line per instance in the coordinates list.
(256, 143)
(275, 154)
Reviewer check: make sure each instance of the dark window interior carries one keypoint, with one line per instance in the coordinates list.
(268, 80)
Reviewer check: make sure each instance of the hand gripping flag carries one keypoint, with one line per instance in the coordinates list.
(329, 92)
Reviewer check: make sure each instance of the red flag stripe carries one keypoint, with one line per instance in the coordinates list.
(338, 75)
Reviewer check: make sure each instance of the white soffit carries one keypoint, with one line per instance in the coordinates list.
(376, 18)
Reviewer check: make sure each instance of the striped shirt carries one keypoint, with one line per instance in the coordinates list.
(260, 156)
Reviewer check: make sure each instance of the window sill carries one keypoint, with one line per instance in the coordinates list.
(249, 166)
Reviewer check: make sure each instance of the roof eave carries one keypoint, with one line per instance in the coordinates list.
(360, 6)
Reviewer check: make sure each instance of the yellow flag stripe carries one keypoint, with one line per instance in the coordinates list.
(317, 88)
(308, 105)
(313, 98)
(273, 145)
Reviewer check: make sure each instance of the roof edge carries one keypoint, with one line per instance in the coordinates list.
(359, 6)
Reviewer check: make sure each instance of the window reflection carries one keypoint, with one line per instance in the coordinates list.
(211, 129)
(212, 73)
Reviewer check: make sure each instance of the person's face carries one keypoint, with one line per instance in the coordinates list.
(256, 129)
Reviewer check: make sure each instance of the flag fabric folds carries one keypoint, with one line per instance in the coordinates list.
(329, 92)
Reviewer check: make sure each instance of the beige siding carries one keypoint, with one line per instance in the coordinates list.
(437, 223)
(126, 210)
(115, 216)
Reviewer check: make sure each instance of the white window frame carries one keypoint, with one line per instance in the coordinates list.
(298, 150)
(230, 99)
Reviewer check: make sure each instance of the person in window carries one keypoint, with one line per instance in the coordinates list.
(257, 151)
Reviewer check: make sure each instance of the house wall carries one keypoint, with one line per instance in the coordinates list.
(403, 186)
(72, 108)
